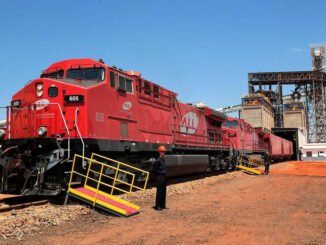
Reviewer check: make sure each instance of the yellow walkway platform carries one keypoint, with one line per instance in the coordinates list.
(98, 182)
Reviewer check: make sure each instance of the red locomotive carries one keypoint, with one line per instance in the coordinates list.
(84, 106)
(246, 139)
(243, 137)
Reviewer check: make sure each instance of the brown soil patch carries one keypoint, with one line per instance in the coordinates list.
(302, 168)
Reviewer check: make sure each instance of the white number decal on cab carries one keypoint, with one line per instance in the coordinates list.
(73, 98)
(99, 117)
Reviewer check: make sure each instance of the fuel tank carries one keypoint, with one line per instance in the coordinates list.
(178, 165)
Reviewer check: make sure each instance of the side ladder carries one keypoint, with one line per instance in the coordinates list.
(102, 177)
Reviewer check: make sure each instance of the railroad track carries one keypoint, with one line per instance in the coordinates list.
(20, 202)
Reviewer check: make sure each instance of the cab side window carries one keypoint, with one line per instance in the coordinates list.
(125, 84)
(122, 83)
(156, 92)
(147, 88)
(52, 92)
(112, 79)
(129, 85)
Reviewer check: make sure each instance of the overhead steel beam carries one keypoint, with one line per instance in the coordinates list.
(312, 84)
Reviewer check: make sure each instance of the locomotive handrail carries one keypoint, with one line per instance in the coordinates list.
(65, 123)
(8, 122)
(201, 137)
(78, 131)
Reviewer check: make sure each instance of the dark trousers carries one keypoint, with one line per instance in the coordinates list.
(266, 168)
(161, 191)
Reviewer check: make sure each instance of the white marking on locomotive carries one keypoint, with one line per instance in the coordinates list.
(99, 117)
(73, 98)
(126, 106)
(40, 104)
(189, 123)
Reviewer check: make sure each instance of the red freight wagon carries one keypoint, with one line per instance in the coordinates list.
(279, 148)
(275, 144)
(287, 148)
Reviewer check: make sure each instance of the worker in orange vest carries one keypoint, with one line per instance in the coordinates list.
(159, 169)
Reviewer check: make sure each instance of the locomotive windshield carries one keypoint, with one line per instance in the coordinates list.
(230, 124)
(96, 74)
(56, 74)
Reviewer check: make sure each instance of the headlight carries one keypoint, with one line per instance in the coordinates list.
(39, 89)
(39, 86)
(2, 133)
(39, 93)
(42, 131)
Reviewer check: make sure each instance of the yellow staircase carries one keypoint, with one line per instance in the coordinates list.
(249, 164)
(104, 176)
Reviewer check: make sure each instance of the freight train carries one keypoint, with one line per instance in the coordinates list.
(81, 106)
(246, 139)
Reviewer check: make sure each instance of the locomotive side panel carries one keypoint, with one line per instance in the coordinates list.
(191, 126)
(113, 111)
(156, 125)
(156, 110)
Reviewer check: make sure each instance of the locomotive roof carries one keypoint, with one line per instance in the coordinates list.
(66, 64)
(87, 62)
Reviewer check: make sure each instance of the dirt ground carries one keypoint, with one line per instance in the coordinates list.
(282, 208)
(301, 168)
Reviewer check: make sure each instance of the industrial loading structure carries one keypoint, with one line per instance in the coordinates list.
(299, 116)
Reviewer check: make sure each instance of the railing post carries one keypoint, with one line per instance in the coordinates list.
(80, 136)
(132, 183)
(9, 121)
(115, 177)
(98, 184)
(70, 180)
(145, 184)
(72, 171)
(88, 170)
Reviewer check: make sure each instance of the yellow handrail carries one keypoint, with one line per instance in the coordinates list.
(98, 179)
(124, 164)
(146, 173)
(98, 185)
(251, 162)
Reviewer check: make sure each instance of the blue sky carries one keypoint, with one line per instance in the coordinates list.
(202, 50)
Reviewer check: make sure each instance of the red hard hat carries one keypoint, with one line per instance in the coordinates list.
(161, 148)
